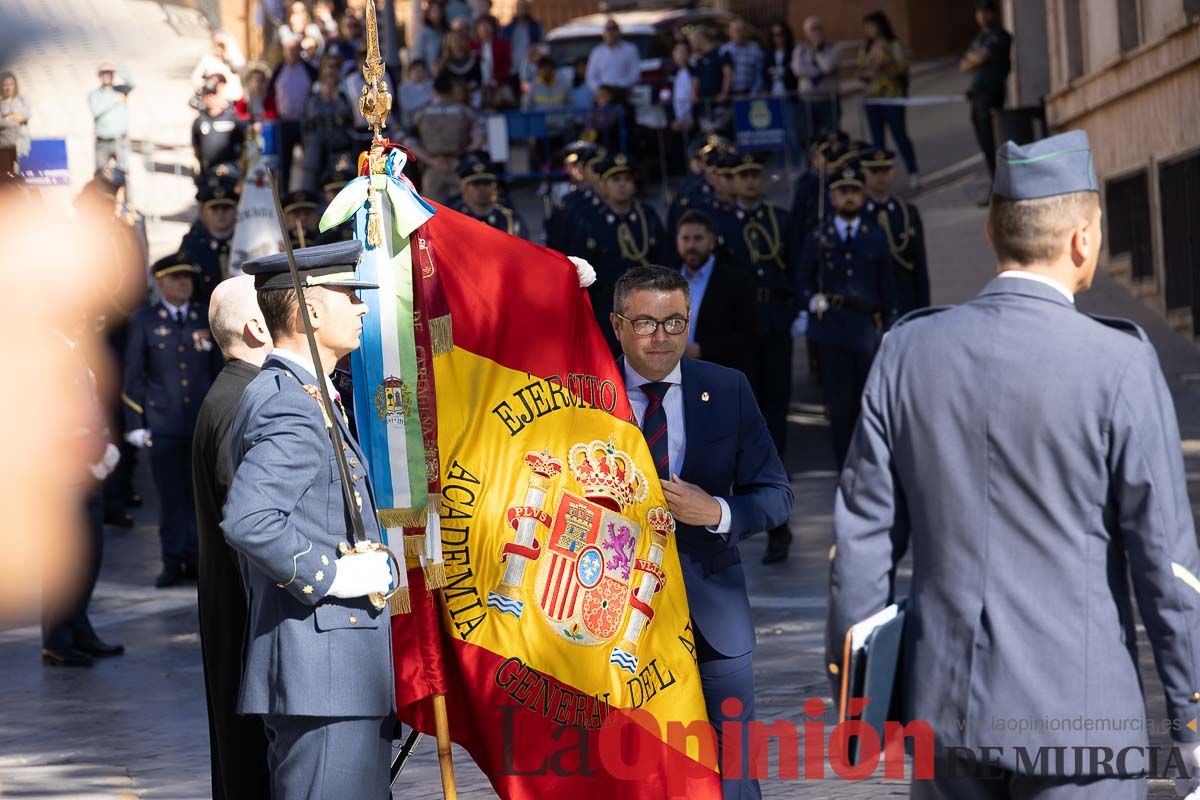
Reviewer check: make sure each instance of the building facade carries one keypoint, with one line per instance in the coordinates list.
(1128, 73)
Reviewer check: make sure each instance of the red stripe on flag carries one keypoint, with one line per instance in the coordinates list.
(480, 300)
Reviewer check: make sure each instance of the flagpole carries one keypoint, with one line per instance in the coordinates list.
(375, 105)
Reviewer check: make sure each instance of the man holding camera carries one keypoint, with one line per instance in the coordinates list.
(110, 109)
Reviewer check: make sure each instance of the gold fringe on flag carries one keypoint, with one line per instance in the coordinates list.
(400, 602)
(441, 335)
(401, 517)
(435, 575)
(414, 545)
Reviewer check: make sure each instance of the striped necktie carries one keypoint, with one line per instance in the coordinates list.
(654, 427)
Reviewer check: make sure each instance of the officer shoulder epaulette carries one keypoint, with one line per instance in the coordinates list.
(918, 313)
(1124, 325)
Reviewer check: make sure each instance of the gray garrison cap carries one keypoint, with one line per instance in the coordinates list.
(1058, 165)
(322, 265)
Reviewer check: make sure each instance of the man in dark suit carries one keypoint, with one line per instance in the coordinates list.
(238, 745)
(721, 476)
(723, 313)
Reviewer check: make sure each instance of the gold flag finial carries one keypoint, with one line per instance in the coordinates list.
(376, 101)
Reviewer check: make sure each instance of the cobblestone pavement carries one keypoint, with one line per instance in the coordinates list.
(135, 726)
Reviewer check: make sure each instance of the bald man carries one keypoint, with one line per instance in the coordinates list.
(238, 745)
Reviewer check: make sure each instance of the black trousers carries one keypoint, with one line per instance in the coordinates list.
(771, 379)
(290, 134)
(65, 619)
(982, 106)
(171, 463)
(843, 376)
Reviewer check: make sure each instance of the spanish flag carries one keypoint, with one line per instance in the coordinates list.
(566, 653)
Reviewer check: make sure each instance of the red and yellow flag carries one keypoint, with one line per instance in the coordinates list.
(566, 652)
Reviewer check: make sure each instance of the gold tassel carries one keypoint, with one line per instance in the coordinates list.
(435, 575)
(401, 517)
(441, 335)
(414, 545)
(435, 504)
(400, 602)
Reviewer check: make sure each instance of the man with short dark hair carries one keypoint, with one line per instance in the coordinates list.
(845, 280)
(207, 243)
(723, 311)
(317, 661)
(902, 227)
(988, 61)
(478, 200)
(614, 63)
(1030, 455)
(722, 480)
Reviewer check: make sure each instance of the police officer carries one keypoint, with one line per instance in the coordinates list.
(695, 190)
(302, 215)
(1029, 456)
(207, 242)
(846, 281)
(577, 160)
(760, 250)
(901, 224)
(477, 199)
(809, 208)
(615, 235)
(170, 361)
(317, 660)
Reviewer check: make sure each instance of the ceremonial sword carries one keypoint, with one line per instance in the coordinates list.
(358, 530)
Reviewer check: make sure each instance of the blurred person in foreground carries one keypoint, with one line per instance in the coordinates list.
(238, 745)
(43, 489)
(1030, 455)
(68, 638)
(170, 361)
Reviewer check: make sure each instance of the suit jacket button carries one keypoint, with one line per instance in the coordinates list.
(353, 620)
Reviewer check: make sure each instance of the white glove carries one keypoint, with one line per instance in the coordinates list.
(1191, 758)
(587, 274)
(139, 438)
(800, 324)
(360, 574)
(104, 467)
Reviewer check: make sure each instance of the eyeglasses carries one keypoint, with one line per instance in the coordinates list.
(645, 326)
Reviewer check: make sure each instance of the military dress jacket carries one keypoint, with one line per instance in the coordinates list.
(210, 254)
(1029, 456)
(905, 234)
(305, 653)
(168, 368)
(857, 278)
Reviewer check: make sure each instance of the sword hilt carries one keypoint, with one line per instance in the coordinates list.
(378, 599)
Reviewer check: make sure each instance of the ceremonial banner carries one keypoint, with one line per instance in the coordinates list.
(257, 231)
(565, 636)
(385, 366)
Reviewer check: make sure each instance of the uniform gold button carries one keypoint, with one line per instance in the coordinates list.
(187, 400)
(183, 382)
(181, 348)
(849, 273)
(162, 346)
(1196, 697)
(353, 620)
(833, 668)
(183, 365)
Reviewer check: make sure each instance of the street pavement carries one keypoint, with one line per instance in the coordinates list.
(135, 726)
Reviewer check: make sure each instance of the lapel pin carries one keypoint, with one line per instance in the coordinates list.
(704, 397)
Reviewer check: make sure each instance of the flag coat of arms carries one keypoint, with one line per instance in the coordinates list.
(563, 616)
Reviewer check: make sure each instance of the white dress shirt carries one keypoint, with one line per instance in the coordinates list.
(676, 428)
(306, 363)
(178, 313)
(845, 228)
(1033, 276)
(619, 66)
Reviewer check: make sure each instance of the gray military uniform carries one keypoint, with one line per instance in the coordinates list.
(318, 668)
(1029, 455)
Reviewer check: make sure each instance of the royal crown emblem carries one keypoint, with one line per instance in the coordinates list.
(609, 477)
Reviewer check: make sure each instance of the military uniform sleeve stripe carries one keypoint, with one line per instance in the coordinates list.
(295, 559)
(127, 400)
